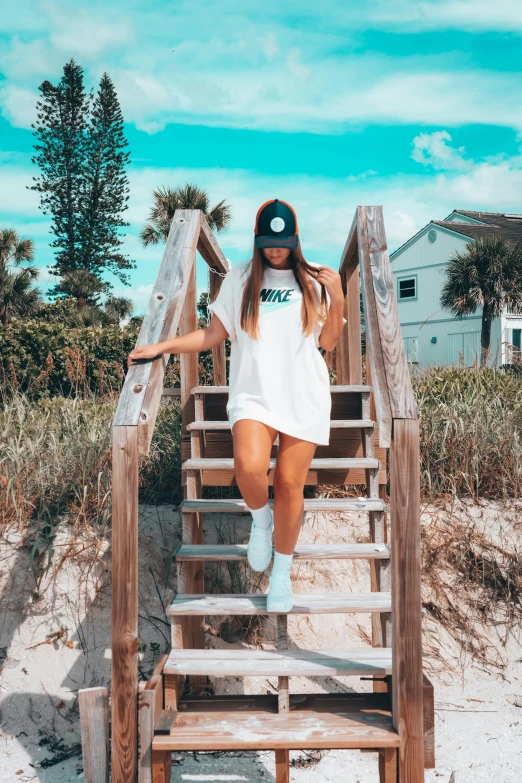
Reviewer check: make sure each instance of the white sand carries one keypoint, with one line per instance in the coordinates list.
(39, 686)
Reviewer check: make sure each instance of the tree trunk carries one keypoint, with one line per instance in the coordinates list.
(485, 335)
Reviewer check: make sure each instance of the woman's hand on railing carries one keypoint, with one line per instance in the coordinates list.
(144, 352)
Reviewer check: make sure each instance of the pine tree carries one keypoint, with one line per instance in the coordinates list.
(104, 186)
(60, 130)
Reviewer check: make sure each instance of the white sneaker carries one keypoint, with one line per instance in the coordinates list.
(279, 598)
(259, 551)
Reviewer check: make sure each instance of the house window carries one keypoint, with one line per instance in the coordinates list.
(407, 288)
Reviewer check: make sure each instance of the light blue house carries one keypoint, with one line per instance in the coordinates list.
(432, 336)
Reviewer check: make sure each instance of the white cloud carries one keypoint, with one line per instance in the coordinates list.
(186, 65)
(433, 149)
(473, 15)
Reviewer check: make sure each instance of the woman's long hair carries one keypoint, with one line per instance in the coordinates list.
(313, 306)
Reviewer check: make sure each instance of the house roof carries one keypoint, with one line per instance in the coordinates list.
(509, 226)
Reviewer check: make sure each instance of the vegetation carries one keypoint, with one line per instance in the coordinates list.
(487, 275)
(168, 200)
(80, 150)
(18, 296)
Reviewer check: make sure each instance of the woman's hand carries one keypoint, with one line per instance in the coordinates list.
(143, 352)
(332, 282)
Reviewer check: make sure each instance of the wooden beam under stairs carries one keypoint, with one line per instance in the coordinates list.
(326, 603)
(371, 661)
(214, 552)
(238, 505)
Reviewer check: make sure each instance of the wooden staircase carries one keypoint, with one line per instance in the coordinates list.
(217, 723)
(396, 719)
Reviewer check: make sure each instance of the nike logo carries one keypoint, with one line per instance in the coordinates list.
(275, 298)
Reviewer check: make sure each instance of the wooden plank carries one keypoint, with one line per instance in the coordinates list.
(335, 463)
(161, 766)
(209, 249)
(238, 506)
(124, 604)
(189, 362)
(388, 765)
(375, 661)
(302, 552)
(327, 603)
(389, 367)
(350, 424)
(165, 722)
(94, 727)
(341, 389)
(143, 385)
(349, 257)
(429, 723)
(282, 760)
(150, 707)
(226, 478)
(406, 598)
(219, 373)
(352, 721)
(172, 391)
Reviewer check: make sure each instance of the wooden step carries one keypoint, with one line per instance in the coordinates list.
(335, 424)
(238, 505)
(374, 661)
(302, 552)
(334, 389)
(326, 603)
(326, 463)
(252, 723)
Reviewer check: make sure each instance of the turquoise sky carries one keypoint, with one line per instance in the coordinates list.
(412, 105)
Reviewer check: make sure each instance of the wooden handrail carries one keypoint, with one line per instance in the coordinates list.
(172, 304)
(366, 249)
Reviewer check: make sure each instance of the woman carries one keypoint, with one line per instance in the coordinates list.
(279, 382)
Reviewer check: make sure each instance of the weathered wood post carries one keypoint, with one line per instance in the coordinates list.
(399, 430)
(94, 724)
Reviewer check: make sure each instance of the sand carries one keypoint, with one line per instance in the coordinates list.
(478, 709)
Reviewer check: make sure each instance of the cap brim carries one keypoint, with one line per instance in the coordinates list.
(290, 242)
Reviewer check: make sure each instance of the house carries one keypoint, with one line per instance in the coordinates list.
(432, 336)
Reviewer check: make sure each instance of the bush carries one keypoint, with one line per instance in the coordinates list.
(46, 359)
(471, 432)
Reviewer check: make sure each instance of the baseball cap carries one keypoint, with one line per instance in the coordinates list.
(276, 225)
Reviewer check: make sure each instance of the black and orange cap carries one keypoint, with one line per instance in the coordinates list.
(276, 225)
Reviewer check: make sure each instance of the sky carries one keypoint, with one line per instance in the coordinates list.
(410, 105)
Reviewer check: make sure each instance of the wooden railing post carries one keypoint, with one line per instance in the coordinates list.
(124, 604)
(407, 689)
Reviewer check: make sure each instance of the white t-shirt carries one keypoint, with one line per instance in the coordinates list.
(280, 379)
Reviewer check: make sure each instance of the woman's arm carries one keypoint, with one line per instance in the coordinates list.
(193, 342)
(333, 325)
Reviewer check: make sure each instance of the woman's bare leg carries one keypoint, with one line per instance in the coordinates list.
(252, 443)
(293, 461)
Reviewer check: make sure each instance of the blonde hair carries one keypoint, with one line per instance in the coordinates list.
(313, 306)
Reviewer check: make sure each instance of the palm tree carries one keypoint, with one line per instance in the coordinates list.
(83, 286)
(117, 308)
(488, 275)
(168, 200)
(17, 294)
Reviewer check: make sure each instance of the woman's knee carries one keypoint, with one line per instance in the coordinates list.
(287, 484)
(249, 469)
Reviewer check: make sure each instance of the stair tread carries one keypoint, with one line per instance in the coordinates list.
(324, 463)
(238, 505)
(281, 663)
(302, 551)
(333, 388)
(326, 603)
(334, 424)
(313, 721)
